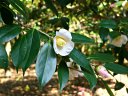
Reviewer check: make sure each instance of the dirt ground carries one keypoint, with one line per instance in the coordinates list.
(14, 84)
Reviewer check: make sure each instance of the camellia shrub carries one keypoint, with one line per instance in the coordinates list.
(73, 37)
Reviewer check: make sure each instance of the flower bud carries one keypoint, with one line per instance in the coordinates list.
(101, 70)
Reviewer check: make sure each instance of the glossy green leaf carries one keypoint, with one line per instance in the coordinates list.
(20, 7)
(103, 57)
(9, 32)
(3, 57)
(45, 64)
(25, 50)
(81, 60)
(119, 85)
(50, 5)
(19, 51)
(116, 68)
(90, 77)
(32, 45)
(107, 87)
(63, 74)
(78, 38)
(108, 23)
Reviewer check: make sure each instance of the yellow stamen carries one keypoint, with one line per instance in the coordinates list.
(60, 41)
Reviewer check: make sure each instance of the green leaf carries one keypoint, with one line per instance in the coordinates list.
(45, 64)
(107, 87)
(108, 23)
(103, 57)
(25, 50)
(119, 85)
(3, 57)
(19, 6)
(78, 38)
(19, 51)
(63, 74)
(50, 5)
(90, 77)
(63, 3)
(7, 15)
(103, 32)
(65, 22)
(114, 34)
(80, 59)
(33, 45)
(116, 68)
(9, 32)
(54, 21)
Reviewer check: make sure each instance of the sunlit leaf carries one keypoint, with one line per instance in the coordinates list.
(45, 64)
(9, 32)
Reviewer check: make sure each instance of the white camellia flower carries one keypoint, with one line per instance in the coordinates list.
(118, 41)
(125, 5)
(62, 42)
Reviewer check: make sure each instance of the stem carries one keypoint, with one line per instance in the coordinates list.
(74, 69)
(45, 34)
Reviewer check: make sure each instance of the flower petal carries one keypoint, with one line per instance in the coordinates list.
(64, 33)
(124, 39)
(117, 41)
(66, 49)
(55, 45)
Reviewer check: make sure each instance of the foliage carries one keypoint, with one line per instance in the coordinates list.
(30, 25)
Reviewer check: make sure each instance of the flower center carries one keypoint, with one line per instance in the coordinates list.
(60, 41)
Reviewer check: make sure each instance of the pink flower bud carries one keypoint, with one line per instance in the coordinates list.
(101, 70)
(112, 5)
